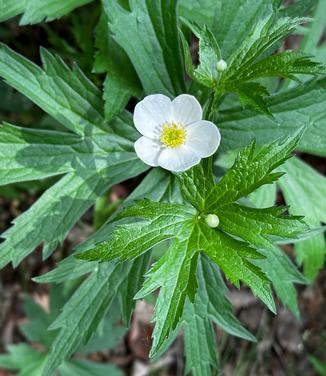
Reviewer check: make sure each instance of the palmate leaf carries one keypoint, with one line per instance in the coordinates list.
(283, 274)
(251, 170)
(305, 103)
(39, 320)
(114, 280)
(238, 220)
(304, 190)
(297, 9)
(234, 258)
(156, 58)
(11, 8)
(28, 154)
(264, 35)
(244, 65)
(315, 29)
(121, 81)
(210, 305)
(174, 272)
(264, 197)
(228, 20)
(163, 221)
(209, 55)
(248, 62)
(285, 64)
(36, 11)
(251, 94)
(67, 95)
(93, 298)
(23, 357)
(92, 160)
(87, 368)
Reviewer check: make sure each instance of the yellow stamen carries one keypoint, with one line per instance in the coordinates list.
(173, 135)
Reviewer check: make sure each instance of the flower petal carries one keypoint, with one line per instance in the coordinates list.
(186, 109)
(178, 159)
(151, 113)
(148, 150)
(203, 137)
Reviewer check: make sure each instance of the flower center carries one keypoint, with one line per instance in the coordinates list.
(173, 135)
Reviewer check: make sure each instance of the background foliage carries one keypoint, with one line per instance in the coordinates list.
(67, 135)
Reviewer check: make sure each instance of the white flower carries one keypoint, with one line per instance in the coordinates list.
(174, 135)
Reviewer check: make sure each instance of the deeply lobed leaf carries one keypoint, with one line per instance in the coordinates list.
(251, 170)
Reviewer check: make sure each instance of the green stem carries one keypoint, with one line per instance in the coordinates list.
(208, 107)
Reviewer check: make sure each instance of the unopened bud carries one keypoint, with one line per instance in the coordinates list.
(212, 220)
(221, 65)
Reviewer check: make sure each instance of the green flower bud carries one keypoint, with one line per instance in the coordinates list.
(212, 220)
(221, 65)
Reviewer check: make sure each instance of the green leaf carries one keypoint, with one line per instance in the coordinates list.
(252, 94)
(129, 241)
(69, 198)
(156, 58)
(92, 164)
(48, 10)
(68, 269)
(121, 81)
(283, 274)
(251, 170)
(36, 329)
(284, 64)
(29, 154)
(210, 305)
(298, 9)
(233, 21)
(67, 95)
(194, 188)
(228, 20)
(131, 286)
(315, 30)
(209, 54)
(199, 341)
(20, 355)
(199, 11)
(173, 274)
(264, 35)
(244, 67)
(304, 103)
(39, 320)
(109, 332)
(259, 226)
(101, 287)
(319, 367)
(264, 197)
(212, 298)
(87, 368)
(312, 34)
(234, 258)
(157, 185)
(304, 190)
(11, 8)
(82, 313)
